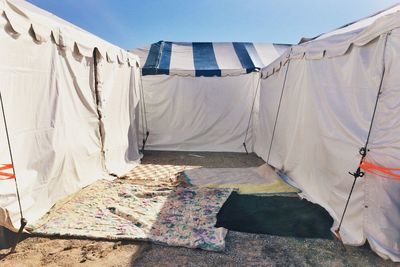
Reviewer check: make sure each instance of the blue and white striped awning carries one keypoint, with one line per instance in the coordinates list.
(206, 59)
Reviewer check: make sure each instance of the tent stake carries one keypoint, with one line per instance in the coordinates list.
(21, 228)
(245, 148)
(356, 175)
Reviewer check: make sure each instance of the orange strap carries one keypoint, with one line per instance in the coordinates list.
(6, 175)
(381, 171)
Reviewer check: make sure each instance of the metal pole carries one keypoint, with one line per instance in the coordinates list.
(23, 220)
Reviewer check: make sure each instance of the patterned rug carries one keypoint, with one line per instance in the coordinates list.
(142, 207)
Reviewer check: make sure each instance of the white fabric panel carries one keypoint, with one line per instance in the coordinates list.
(118, 102)
(52, 121)
(382, 195)
(227, 59)
(182, 61)
(51, 109)
(323, 122)
(198, 113)
(16, 79)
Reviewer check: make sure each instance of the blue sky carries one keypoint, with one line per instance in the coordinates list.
(131, 23)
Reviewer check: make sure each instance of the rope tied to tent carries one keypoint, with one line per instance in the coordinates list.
(12, 176)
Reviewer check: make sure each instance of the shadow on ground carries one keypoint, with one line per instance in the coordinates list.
(247, 249)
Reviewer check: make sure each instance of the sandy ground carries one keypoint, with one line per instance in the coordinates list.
(242, 249)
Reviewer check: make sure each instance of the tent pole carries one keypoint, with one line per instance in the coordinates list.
(23, 220)
(251, 113)
(145, 128)
(279, 107)
(364, 150)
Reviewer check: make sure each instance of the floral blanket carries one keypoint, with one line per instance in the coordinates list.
(129, 209)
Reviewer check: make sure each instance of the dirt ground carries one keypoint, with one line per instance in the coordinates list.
(242, 249)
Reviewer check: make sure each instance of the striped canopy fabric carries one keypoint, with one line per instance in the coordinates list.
(206, 58)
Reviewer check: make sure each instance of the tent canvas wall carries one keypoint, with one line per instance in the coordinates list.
(65, 131)
(321, 103)
(199, 96)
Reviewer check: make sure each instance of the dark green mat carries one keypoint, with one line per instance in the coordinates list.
(275, 215)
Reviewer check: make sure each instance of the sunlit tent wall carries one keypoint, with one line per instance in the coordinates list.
(316, 113)
(199, 96)
(65, 132)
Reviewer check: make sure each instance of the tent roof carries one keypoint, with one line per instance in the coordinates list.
(338, 42)
(207, 58)
(25, 18)
(358, 25)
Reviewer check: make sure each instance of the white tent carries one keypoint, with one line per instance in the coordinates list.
(199, 96)
(69, 99)
(328, 105)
